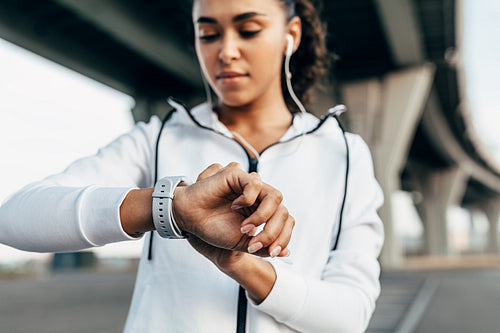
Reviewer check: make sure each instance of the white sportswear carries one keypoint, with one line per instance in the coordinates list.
(317, 289)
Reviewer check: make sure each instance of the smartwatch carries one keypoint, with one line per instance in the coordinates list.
(163, 217)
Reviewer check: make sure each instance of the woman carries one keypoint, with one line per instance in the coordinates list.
(319, 280)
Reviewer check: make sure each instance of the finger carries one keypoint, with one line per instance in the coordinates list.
(271, 232)
(279, 246)
(233, 174)
(285, 253)
(210, 171)
(235, 165)
(269, 201)
(253, 232)
(251, 185)
(264, 253)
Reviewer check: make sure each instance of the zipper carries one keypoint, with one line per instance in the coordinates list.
(241, 320)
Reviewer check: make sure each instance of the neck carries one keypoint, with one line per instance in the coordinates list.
(259, 123)
(255, 126)
(256, 116)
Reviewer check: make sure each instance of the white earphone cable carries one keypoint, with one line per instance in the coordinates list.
(247, 145)
(288, 77)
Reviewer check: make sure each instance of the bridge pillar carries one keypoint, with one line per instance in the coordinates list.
(145, 107)
(386, 112)
(440, 190)
(142, 110)
(491, 208)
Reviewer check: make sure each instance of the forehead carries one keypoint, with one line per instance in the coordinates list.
(227, 9)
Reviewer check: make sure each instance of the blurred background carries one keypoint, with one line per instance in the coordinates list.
(419, 78)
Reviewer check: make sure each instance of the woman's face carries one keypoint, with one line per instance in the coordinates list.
(240, 45)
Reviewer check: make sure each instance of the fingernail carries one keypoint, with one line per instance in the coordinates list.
(255, 247)
(275, 251)
(246, 229)
(288, 254)
(236, 207)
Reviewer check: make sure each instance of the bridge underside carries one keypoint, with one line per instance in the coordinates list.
(397, 71)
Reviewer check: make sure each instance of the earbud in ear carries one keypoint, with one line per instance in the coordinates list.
(289, 47)
(288, 73)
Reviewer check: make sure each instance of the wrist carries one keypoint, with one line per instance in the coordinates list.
(255, 275)
(135, 212)
(178, 202)
(235, 264)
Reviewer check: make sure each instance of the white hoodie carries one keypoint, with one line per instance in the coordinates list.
(179, 290)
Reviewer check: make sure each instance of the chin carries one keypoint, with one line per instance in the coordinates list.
(235, 101)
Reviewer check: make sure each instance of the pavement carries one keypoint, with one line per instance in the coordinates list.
(432, 294)
(76, 302)
(446, 298)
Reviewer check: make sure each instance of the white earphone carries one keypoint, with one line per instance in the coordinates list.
(288, 74)
(289, 46)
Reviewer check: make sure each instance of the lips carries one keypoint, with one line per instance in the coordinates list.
(230, 77)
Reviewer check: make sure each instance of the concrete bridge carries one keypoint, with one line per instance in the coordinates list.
(399, 72)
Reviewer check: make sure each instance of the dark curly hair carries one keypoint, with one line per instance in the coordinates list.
(311, 61)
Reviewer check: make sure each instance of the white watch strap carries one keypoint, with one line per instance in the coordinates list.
(163, 218)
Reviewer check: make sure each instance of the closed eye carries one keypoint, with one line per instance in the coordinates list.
(248, 34)
(209, 38)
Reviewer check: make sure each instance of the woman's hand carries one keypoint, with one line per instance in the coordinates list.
(255, 275)
(225, 206)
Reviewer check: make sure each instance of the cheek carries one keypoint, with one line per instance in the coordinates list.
(267, 59)
(207, 59)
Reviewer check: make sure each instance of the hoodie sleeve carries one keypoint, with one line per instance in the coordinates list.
(343, 298)
(79, 208)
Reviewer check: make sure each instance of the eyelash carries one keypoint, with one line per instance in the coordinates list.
(208, 38)
(249, 34)
(243, 34)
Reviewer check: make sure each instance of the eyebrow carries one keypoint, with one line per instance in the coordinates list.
(237, 18)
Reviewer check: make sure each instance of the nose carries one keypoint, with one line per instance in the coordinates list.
(229, 50)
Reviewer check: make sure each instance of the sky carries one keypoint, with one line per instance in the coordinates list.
(481, 56)
(50, 116)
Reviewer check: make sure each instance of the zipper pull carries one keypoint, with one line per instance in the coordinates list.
(253, 163)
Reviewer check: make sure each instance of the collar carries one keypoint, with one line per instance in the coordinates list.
(202, 115)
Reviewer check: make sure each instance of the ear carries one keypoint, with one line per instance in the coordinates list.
(294, 28)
